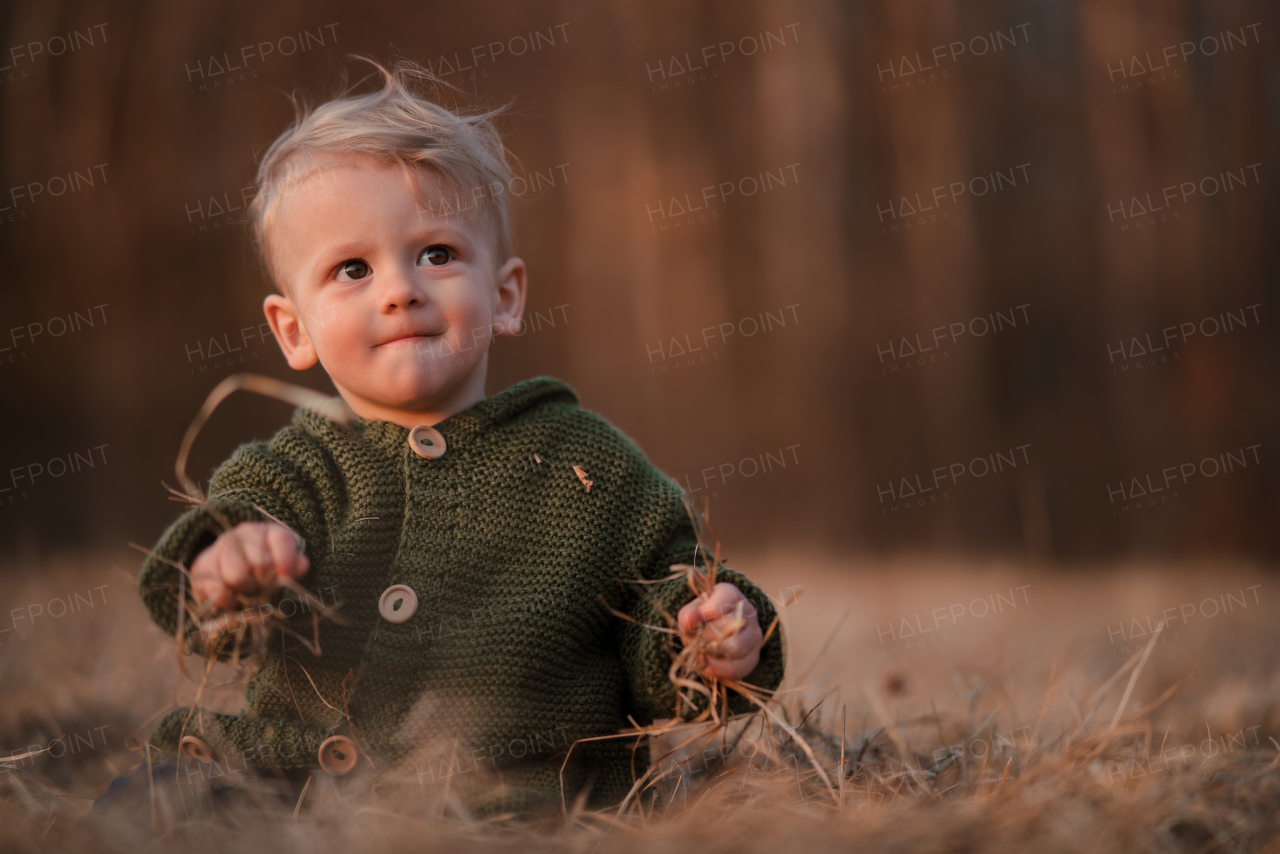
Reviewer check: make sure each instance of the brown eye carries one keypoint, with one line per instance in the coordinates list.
(350, 271)
(436, 255)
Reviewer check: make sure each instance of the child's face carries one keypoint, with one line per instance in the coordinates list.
(397, 303)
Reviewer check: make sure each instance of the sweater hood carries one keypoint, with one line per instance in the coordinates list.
(483, 416)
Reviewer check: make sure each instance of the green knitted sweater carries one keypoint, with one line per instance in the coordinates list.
(510, 657)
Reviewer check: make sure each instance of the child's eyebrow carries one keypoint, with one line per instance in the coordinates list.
(326, 258)
(442, 232)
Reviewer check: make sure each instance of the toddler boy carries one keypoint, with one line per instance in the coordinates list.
(468, 539)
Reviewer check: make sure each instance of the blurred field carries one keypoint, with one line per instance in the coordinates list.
(983, 706)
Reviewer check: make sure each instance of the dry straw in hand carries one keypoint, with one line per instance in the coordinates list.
(687, 659)
(239, 636)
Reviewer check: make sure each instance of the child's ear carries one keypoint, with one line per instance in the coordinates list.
(509, 297)
(283, 316)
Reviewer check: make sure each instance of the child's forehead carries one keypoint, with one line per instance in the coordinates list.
(438, 199)
(336, 168)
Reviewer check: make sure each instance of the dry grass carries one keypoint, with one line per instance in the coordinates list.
(1033, 726)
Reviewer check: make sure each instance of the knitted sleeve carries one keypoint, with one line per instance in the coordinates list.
(647, 654)
(278, 478)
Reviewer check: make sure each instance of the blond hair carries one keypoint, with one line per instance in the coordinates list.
(392, 126)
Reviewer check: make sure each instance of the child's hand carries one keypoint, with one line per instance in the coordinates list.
(251, 557)
(735, 656)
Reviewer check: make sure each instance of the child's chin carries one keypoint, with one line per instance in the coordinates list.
(424, 396)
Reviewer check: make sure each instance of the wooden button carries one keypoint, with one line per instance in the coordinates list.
(426, 442)
(337, 755)
(195, 748)
(397, 603)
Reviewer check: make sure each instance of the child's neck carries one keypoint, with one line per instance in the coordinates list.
(460, 399)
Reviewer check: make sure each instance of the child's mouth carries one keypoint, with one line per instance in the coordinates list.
(409, 340)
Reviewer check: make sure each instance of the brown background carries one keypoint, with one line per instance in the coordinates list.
(594, 104)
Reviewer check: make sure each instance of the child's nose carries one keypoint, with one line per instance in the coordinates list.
(400, 289)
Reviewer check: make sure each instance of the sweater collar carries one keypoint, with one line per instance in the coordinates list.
(484, 415)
